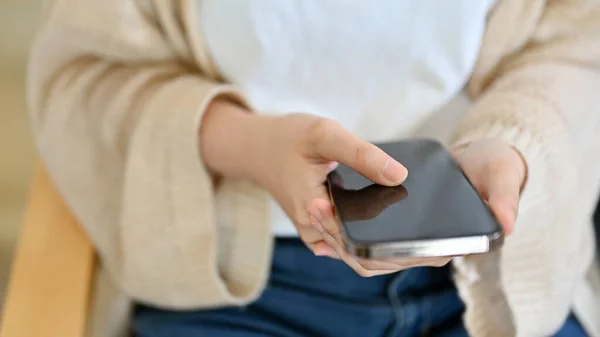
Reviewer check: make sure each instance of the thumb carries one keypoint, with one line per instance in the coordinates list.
(503, 199)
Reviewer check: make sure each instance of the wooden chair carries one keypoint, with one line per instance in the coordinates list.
(50, 288)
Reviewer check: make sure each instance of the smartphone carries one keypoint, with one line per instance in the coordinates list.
(435, 212)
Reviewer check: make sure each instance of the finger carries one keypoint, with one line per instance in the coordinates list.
(323, 219)
(321, 248)
(333, 247)
(380, 265)
(322, 210)
(333, 238)
(369, 271)
(310, 236)
(506, 213)
(333, 142)
(440, 262)
(427, 261)
(405, 263)
(340, 252)
(503, 192)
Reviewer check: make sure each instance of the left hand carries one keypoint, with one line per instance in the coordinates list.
(496, 170)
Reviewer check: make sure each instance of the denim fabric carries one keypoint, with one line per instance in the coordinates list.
(309, 296)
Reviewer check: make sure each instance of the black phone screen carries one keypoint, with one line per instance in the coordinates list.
(435, 202)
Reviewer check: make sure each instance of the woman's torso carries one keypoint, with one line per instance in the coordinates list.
(385, 71)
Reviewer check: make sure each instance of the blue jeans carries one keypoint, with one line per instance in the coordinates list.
(309, 296)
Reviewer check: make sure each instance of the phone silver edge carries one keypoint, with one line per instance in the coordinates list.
(427, 248)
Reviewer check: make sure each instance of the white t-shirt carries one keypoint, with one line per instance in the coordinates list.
(385, 69)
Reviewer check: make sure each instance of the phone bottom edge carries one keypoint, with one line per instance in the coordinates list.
(428, 248)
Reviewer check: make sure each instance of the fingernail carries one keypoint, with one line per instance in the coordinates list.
(332, 166)
(394, 172)
(316, 224)
(325, 251)
(319, 252)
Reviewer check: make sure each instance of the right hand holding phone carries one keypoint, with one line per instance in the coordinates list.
(302, 151)
(290, 156)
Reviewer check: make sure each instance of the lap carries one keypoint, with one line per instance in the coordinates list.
(250, 325)
(319, 297)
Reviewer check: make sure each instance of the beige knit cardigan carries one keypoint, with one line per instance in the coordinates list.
(117, 90)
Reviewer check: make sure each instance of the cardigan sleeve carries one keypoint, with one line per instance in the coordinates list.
(116, 97)
(543, 98)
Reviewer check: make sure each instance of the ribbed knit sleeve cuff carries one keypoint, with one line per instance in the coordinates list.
(243, 231)
(220, 231)
(506, 291)
(479, 278)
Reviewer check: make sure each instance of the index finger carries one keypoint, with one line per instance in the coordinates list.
(334, 142)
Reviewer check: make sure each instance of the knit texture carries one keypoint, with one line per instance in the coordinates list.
(117, 91)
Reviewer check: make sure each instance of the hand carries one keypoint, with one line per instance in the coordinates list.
(291, 156)
(362, 204)
(301, 151)
(498, 172)
(292, 153)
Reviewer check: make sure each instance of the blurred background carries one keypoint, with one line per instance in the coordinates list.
(18, 21)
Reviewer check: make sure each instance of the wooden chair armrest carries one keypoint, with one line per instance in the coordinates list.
(51, 278)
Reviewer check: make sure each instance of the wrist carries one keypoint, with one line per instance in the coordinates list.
(232, 139)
